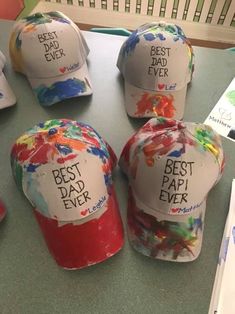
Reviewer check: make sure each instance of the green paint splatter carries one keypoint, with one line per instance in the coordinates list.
(231, 97)
(18, 173)
(51, 123)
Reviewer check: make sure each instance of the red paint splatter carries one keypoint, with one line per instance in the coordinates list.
(126, 151)
(62, 160)
(40, 155)
(145, 227)
(160, 105)
(113, 157)
(78, 246)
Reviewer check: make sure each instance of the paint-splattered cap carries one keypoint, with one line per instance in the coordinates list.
(64, 168)
(171, 167)
(156, 62)
(51, 51)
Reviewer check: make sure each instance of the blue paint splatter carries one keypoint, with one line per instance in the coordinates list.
(176, 153)
(108, 182)
(98, 152)
(149, 37)
(108, 179)
(161, 37)
(130, 44)
(224, 250)
(52, 131)
(63, 149)
(31, 168)
(48, 95)
(233, 234)
(198, 224)
(41, 125)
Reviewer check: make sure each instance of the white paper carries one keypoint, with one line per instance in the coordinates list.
(223, 294)
(222, 116)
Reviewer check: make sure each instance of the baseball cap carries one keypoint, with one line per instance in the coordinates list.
(64, 168)
(156, 62)
(50, 50)
(171, 167)
(7, 97)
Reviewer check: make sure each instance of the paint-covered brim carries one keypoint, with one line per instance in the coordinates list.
(7, 97)
(140, 102)
(52, 90)
(74, 245)
(177, 237)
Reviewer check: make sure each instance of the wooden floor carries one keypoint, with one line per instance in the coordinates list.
(194, 42)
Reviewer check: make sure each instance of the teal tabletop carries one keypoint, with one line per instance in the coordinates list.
(30, 280)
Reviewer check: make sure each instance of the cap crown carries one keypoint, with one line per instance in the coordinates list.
(158, 57)
(46, 45)
(172, 165)
(64, 169)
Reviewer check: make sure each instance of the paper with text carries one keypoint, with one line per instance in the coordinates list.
(222, 116)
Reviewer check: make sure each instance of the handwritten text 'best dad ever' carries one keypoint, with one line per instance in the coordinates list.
(159, 59)
(72, 188)
(51, 46)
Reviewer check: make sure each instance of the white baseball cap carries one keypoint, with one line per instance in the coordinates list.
(171, 167)
(156, 62)
(7, 97)
(51, 51)
(65, 169)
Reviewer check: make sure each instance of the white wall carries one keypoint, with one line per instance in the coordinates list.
(130, 20)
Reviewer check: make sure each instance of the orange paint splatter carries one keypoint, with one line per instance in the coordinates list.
(160, 105)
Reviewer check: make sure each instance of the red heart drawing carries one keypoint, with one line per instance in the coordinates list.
(161, 86)
(174, 210)
(62, 70)
(84, 212)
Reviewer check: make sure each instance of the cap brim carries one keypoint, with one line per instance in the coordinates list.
(170, 237)
(52, 90)
(7, 97)
(147, 103)
(75, 245)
